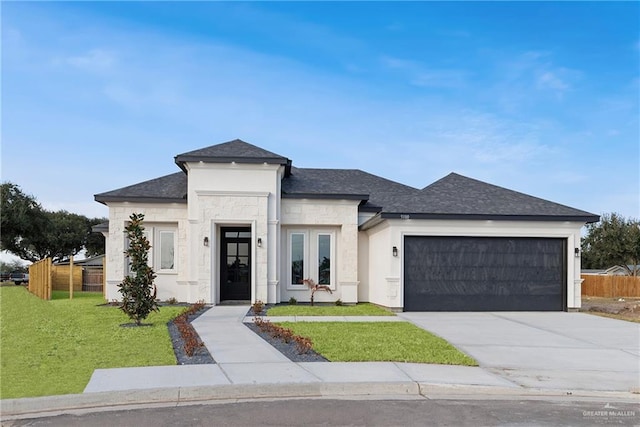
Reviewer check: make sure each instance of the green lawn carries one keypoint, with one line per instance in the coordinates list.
(52, 347)
(378, 341)
(363, 309)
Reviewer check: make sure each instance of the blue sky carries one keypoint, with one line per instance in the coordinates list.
(537, 97)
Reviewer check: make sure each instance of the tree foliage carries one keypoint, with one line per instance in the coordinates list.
(22, 221)
(12, 266)
(94, 243)
(33, 233)
(614, 240)
(137, 289)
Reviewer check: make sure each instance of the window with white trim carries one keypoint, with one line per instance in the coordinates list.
(311, 255)
(166, 251)
(297, 256)
(162, 253)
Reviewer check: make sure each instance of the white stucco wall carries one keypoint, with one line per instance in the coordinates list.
(337, 216)
(222, 195)
(162, 215)
(385, 277)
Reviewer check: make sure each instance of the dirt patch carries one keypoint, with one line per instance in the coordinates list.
(620, 308)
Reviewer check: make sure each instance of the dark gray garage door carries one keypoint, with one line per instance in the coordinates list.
(484, 274)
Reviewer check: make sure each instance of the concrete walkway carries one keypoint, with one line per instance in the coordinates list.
(242, 357)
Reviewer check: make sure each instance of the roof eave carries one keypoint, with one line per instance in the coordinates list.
(182, 158)
(491, 217)
(331, 196)
(138, 199)
(371, 222)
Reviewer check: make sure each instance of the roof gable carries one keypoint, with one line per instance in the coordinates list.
(237, 151)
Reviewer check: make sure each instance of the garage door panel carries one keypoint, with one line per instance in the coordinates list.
(476, 273)
(480, 303)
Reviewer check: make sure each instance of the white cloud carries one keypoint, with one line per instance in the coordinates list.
(550, 80)
(421, 75)
(94, 59)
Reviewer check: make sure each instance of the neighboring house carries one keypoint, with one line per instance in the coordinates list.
(241, 223)
(592, 271)
(618, 270)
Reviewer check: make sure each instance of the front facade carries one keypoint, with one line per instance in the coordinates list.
(239, 223)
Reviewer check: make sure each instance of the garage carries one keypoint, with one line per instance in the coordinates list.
(453, 273)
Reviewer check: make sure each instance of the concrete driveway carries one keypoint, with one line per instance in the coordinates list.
(566, 351)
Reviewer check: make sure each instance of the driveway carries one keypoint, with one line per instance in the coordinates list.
(566, 351)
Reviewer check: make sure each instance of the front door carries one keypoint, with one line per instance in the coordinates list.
(235, 263)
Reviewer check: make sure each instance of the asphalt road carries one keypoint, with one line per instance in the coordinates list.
(327, 412)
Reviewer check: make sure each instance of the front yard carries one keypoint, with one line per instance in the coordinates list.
(52, 347)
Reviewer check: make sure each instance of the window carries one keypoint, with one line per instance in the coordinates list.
(167, 249)
(162, 253)
(311, 255)
(297, 258)
(324, 259)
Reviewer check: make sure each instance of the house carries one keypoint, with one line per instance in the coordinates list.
(619, 270)
(238, 222)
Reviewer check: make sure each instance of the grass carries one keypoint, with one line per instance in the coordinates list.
(379, 341)
(363, 309)
(52, 347)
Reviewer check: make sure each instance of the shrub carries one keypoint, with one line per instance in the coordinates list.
(138, 291)
(172, 301)
(338, 302)
(257, 307)
(303, 344)
(293, 301)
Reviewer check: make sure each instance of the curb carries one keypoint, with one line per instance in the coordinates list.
(37, 407)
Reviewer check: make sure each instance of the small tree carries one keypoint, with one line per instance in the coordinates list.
(137, 289)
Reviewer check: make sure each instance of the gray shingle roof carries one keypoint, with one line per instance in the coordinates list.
(167, 189)
(231, 151)
(344, 183)
(453, 196)
(456, 195)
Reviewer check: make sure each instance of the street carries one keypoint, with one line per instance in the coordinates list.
(332, 412)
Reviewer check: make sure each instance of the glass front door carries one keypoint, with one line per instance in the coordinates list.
(235, 263)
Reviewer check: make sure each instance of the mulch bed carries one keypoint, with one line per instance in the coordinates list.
(288, 349)
(202, 356)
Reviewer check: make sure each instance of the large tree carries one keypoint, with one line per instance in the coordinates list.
(33, 233)
(614, 240)
(22, 220)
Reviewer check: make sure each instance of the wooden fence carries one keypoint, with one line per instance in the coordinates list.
(92, 280)
(40, 279)
(61, 277)
(610, 286)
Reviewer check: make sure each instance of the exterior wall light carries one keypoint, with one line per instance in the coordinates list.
(206, 241)
(577, 252)
(395, 251)
(259, 242)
